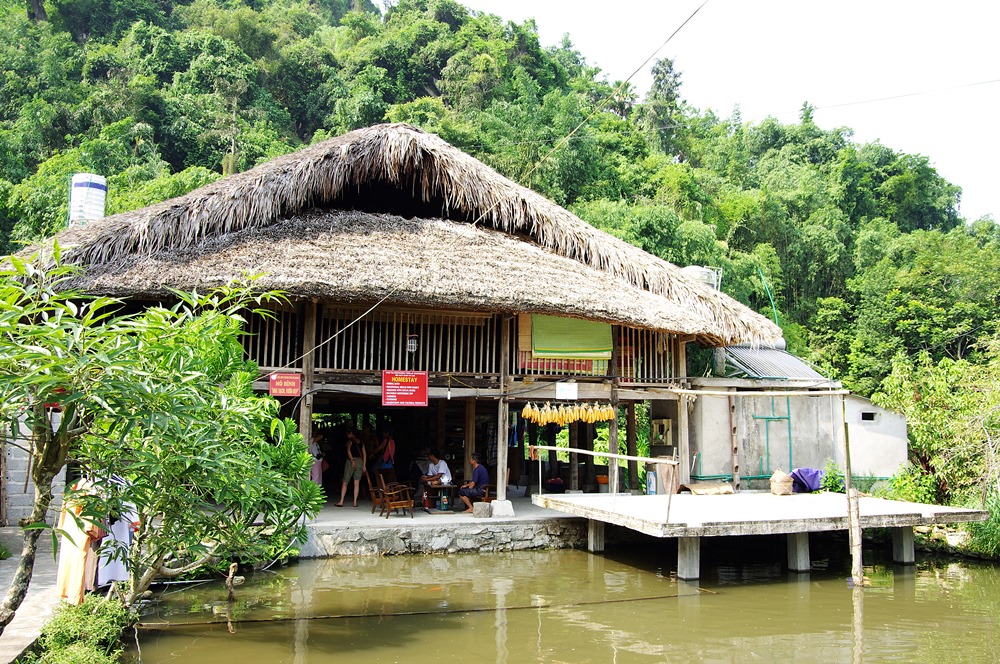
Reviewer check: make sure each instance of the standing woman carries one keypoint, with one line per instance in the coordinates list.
(353, 467)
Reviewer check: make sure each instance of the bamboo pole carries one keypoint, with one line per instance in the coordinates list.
(853, 511)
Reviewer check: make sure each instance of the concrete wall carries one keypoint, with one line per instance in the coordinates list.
(15, 472)
(402, 537)
(878, 445)
(878, 439)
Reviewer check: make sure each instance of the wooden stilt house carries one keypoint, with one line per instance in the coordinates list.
(402, 253)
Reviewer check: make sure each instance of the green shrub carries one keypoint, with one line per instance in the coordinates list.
(80, 653)
(985, 535)
(96, 625)
(833, 478)
(4, 552)
(913, 484)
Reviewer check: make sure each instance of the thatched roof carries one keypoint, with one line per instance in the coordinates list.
(328, 222)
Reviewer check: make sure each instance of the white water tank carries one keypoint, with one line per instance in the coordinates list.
(87, 193)
(710, 276)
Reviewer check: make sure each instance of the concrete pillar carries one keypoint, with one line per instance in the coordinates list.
(798, 552)
(902, 545)
(688, 558)
(595, 536)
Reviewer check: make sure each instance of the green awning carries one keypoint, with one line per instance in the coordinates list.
(570, 338)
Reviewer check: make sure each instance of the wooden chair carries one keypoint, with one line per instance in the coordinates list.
(397, 496)
(492, 489)
(376, 495)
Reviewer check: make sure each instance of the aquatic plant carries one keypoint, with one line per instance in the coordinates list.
(985, 535)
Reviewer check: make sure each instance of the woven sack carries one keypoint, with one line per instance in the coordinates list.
(781, 483)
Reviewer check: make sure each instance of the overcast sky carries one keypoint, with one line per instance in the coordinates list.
(769, 56)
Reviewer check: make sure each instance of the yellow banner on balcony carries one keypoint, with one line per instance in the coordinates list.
(569, 338)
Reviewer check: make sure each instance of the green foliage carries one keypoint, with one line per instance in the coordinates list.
(164, 399)
(985, 535)
(859, 248)
(913, 484)
(833, 478)
(92, 629)
(4, 552)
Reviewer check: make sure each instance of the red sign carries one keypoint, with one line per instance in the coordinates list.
(285, 385)
(404, 388)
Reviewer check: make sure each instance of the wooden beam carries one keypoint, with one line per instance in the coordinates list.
(308, 367)
(470, 435)
(630, 446)
(502, 415)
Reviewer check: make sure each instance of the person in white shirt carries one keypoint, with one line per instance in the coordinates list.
(437, 474)
(437, 471)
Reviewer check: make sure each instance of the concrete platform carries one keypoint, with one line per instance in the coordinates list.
(689, 518)
(747, 513)
(350, 531)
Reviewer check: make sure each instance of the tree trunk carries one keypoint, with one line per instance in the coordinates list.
(22, 578)
(36, 11)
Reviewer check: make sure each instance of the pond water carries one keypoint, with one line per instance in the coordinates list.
(571, 606)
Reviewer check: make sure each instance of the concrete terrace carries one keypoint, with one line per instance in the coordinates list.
(690, 517)
(339, 531)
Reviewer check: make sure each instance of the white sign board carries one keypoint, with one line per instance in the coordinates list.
(567, 391)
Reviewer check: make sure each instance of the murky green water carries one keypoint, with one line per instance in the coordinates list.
(570, 606)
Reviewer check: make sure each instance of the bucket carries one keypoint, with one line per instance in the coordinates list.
(602, 484)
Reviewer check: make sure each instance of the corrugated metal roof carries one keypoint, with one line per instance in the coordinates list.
(767, 363)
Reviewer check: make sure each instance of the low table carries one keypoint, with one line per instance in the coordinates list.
(446, 489)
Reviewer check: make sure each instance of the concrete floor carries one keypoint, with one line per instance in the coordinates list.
(747, 513)
(38, 604)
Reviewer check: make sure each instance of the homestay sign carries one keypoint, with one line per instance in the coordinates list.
(404, 388)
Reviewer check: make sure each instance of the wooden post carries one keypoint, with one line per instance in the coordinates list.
(470, 435)
(533, 482)
(308, 311)
(574, 458)
(613, 424)
(502, 409)
(588, 431)
(683, 439)
(550, 441)
(853, 511)
(683, 425)
(734, 443)
(630, 446)
(439, 443)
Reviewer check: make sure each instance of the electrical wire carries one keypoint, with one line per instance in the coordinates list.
(396, 614)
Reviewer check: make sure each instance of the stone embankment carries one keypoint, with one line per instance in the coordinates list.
(419, 537)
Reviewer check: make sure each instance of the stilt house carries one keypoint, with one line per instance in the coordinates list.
(401, 253)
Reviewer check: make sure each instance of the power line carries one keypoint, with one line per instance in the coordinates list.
(909, 94)
(597, 108)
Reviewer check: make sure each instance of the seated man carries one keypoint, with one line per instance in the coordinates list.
(437, 472)
(476, 487)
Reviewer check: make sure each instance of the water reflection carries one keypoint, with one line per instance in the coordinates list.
(569, 606)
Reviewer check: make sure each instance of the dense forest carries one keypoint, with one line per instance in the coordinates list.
(857, 249)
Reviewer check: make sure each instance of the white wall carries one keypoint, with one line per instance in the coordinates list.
(878, 447)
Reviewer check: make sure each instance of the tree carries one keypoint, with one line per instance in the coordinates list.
(662, 112)
(133, 386)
